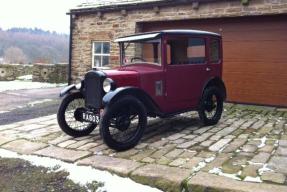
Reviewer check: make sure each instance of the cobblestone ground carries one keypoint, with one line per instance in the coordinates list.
(249, 145)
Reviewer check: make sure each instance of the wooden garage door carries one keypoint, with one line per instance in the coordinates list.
(255, 55)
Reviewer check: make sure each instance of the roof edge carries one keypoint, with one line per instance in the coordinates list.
(155, 34)
(131, 6)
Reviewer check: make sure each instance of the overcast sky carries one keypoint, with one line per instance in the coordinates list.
(44, 14)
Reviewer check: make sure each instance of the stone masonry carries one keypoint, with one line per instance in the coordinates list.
(52, 73)
(245, 151)
(9, 72)
(108, 25)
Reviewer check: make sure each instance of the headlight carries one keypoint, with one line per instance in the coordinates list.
(108, 85)
(78, 83)
(79, 86)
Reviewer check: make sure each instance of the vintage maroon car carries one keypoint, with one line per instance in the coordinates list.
(161, 74)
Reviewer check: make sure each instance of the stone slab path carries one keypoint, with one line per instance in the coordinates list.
(245, 151)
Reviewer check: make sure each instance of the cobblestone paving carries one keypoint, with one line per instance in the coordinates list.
(248, 145)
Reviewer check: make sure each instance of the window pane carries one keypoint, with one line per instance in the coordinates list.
(106, 48)
(97, 48)
(177, 51)
(105, 60)
(214, 51)
(97, 61)
(196, 51)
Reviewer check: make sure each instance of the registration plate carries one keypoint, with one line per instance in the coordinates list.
(91, 117)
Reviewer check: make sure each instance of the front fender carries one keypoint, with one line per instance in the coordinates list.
(112, 96)
(67, 90)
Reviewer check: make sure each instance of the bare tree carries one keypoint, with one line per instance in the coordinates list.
(15, 55)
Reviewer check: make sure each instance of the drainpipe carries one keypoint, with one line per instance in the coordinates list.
(70, 51)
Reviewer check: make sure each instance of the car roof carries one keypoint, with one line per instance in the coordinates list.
(155, 34)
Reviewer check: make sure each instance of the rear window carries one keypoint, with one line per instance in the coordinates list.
(186, 51)
(214, 51)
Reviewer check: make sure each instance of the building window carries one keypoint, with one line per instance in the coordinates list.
(186, 51)
(101, 54)
(214, 51)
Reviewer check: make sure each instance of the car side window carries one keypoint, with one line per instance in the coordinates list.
(186, 51)
(214, 51)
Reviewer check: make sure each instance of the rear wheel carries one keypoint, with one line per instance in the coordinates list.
(123, 123)
(67, 116)
(211, 106)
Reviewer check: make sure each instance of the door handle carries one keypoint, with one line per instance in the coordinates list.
(208, 69)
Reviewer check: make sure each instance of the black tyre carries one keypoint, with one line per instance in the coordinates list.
(211, 106)
(123, 123)
(66, 116)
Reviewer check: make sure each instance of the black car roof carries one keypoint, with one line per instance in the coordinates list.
(152, 35)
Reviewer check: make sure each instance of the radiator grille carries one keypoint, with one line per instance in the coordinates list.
(94, 89)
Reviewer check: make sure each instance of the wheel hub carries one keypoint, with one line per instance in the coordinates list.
(78, 114)
(210, 104)
(123, 123)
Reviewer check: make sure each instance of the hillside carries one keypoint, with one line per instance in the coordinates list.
(25, 45)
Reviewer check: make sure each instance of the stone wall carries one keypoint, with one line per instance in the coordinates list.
(110, 25)
(9, 72)
(52, 73)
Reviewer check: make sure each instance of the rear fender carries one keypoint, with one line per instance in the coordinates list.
(216, 81)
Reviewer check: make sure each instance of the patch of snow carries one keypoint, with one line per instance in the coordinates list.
(253, 179)
(252, 163)
(25, 77)
(276, 143)
(215, 170)
(264, 169)
(208, 160)
(17, 94)
(199, 166)
(18, 85)
(232, 176)
(4, 112)
(38, 102)
(83, 174)
(263, 141)
(219, 172)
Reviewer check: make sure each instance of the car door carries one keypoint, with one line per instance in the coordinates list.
(186, 70)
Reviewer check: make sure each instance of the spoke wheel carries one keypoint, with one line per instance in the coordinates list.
(67, 117)
(123, 123)
(211, 106)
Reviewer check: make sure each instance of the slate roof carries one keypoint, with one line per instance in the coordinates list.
(105, 5)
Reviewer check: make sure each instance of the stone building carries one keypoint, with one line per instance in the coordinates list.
(254, 34)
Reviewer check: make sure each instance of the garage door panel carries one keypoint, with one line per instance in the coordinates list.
(257, 78)
(256, 35)
(256, 68)
(256, 51)
(258, 99)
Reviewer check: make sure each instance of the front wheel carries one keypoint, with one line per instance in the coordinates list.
(123, 123)
(211, 106)
(66, 116)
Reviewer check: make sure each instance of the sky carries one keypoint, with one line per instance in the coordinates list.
(45, 14)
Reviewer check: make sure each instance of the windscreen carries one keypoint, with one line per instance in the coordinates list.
(142, 52)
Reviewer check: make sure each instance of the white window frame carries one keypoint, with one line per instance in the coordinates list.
(99, 54)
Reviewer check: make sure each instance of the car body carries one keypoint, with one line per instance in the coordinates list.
(163, 73)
